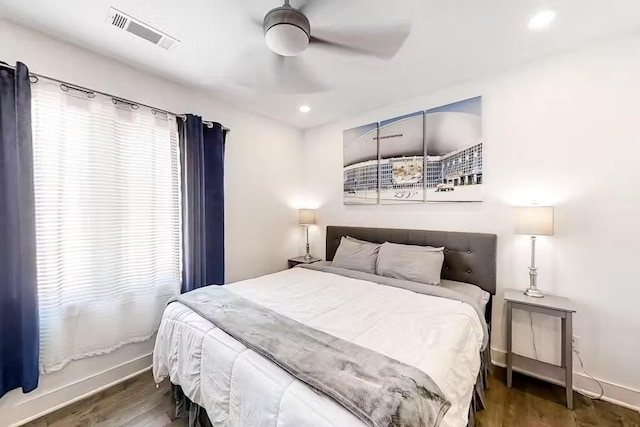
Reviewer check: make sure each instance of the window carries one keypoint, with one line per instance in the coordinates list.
(107, 197)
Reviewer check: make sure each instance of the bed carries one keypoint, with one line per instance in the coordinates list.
(217, 380)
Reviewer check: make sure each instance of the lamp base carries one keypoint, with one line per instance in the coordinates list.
(534, 292)
(307, 255)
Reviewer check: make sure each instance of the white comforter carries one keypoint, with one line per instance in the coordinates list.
(238, 387)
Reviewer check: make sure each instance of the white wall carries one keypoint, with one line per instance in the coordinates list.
(261, 170)
(563, 131)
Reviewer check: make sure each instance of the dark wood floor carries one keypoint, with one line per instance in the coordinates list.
(134, 403)
(536, 403)
(530, 402)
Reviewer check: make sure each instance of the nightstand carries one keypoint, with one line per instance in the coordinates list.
(552, 306)
(300, 260)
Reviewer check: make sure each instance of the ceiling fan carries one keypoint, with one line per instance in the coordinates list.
(289, 37)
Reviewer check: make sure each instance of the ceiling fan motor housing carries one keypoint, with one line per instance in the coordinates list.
(286, 31)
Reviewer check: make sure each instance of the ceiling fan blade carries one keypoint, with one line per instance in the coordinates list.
(295, 77)
(309, 7)
(263, 70)
(382, 43)
(257, 22)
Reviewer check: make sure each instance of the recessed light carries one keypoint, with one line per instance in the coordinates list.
(542, 19)
(304, 108)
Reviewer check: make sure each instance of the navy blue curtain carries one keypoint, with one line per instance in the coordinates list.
(202, 164)
(19, 345)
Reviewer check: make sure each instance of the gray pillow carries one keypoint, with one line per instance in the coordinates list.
(354, 254)
(353, 239)
(477, 294)
(422, 264)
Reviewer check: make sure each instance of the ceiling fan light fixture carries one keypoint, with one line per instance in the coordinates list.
(286, 30)
(286, 39)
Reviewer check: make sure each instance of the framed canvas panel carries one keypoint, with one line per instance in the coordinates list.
(360, 165)
(454, 169)
(401, 159)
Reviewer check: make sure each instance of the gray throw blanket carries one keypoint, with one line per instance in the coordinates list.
(378, 390)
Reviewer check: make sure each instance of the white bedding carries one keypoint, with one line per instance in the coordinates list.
(238, 387)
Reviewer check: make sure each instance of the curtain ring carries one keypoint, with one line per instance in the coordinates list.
(33, 78)
(117, 101)
(66, 88)
(154, 112)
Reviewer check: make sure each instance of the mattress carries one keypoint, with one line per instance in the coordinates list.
(237, 387)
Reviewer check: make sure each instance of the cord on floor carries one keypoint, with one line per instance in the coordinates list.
(598, 397)
(535, 351)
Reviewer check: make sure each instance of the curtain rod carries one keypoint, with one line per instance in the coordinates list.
(117, 98)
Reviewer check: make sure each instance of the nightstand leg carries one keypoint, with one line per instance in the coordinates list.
(563, 338)
(567, 356)
(509, 344)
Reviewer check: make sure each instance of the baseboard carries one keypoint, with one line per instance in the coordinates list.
(53, 400)
(613, 393)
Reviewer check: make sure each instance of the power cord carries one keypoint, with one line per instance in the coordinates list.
(598, 397)
(578, 355)
(533, 336)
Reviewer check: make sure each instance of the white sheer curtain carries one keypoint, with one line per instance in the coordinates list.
(107, 222)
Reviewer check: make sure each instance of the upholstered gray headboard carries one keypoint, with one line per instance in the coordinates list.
(468, 257)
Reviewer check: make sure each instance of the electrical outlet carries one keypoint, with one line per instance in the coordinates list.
(576, 341)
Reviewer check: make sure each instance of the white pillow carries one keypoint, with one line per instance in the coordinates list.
(422, 264)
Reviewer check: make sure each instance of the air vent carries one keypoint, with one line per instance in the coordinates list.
(140, 29)
(119, 20)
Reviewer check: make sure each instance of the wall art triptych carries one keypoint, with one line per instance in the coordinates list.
(428, 156)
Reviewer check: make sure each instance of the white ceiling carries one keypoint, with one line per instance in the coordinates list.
(450, 41)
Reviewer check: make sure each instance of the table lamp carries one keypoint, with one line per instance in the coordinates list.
(534, 221)
(306, 218)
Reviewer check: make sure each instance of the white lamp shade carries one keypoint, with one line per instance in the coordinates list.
(286, 39)
(534, 220)
(306, 216)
